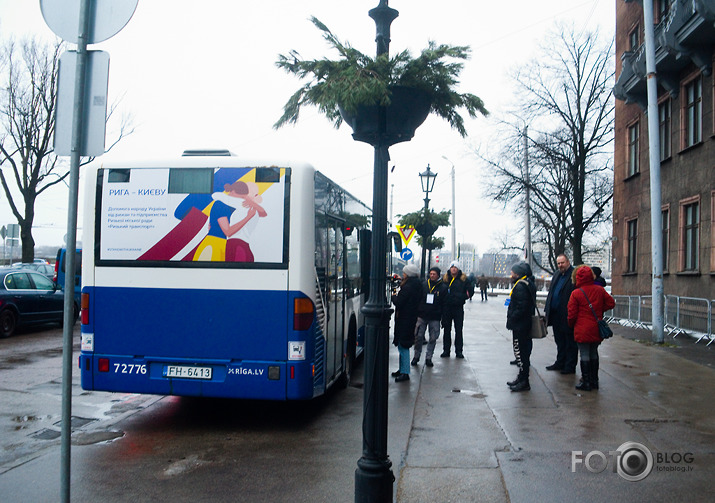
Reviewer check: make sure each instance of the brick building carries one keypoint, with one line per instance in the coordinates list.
(684, 41)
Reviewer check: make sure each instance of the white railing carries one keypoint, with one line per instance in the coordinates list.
(683, 315)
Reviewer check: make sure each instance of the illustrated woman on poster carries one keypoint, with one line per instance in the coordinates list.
(231, 221)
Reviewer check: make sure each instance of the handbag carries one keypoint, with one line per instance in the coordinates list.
(604, 331)
(538, 325)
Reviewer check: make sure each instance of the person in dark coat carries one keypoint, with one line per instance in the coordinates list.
(459, 289)
(600, 280)
(585, 322)
(407, 303)
(521, 304)
(556, 317)
(483, 285)
(430, 315)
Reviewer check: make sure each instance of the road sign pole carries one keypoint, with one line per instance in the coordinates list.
(66, 435)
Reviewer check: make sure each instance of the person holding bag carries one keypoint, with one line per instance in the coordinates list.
(407, 303)
(586, 306)
(520, 309)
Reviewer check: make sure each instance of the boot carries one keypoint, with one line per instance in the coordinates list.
(585, 384)
(522, 385)
(594, 374)
(517, 380)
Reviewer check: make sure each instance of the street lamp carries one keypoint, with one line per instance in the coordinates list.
(427, 179)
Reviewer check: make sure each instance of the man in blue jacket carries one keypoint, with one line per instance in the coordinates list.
(557, 317)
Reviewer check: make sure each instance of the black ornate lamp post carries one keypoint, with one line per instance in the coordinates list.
(373, 476)
(427, 178)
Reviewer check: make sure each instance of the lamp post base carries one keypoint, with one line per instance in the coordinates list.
(373, 481)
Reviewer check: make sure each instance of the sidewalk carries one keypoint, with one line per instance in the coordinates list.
(472, 439)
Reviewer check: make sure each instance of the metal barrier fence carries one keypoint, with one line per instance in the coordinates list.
(682, 314)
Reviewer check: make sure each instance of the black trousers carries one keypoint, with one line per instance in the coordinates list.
(457, 316)
(522, 350)
(566, 349)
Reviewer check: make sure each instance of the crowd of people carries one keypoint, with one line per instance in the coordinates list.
(575, 302)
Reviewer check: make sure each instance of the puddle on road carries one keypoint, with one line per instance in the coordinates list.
(473, 394)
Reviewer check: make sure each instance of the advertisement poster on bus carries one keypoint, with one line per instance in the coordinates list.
(193, 215)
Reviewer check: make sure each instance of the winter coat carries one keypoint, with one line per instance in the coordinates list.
(521, 306)
(459, 289)
(558, 317)
(580, 317)
(434, 310)
(407, 303)
(483, 283)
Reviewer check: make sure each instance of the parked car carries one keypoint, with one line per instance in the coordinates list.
(59, 276)
(28, 298)
(42, 267)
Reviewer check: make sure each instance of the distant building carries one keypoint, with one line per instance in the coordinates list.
(684, 41)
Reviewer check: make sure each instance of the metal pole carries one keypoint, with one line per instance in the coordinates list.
(425, 244)
(527, 221)
(656, 234)
(373, 476)
(66, 433)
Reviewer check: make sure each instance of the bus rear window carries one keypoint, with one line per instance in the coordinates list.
(191, 181)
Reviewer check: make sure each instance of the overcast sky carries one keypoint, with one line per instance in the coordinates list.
(202, 74)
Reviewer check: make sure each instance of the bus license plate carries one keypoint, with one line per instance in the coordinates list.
(187, 372)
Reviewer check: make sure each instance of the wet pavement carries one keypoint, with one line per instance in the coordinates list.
(456, 434)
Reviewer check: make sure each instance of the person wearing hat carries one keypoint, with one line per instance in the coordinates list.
(430, 315)
(599, 279)
(407, 303)
(521, 304)
(459, 289)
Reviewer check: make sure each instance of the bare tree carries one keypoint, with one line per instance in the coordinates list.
(568, 94)
(27, 127)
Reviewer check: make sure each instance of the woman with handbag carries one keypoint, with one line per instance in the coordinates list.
(586, 306)
(520, 308)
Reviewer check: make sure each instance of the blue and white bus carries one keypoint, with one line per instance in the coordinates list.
(211, 275)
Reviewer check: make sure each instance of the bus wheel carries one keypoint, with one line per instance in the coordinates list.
(8, 323)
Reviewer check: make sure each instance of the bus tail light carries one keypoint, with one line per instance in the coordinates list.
(85, 309)
(303, 312)
(103, 365)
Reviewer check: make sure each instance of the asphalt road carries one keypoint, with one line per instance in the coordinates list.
(455, 434)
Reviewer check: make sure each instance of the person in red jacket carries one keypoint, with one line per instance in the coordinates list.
(584, 322)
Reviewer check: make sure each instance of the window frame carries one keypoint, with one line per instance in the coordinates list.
(631, 246)
(712, 232)
(634, 38)
(665, 128)
(689, 259)
(692, 130)
(633, 149)
(665, 227)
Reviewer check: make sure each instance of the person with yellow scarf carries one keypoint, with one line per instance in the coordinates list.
(520, 309)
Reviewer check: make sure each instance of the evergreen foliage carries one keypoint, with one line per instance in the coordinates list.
(356, 79)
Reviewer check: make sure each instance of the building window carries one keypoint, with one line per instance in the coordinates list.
(663, 9)
(693, 113)
(634, 39)
(712, 231)
(633, 139)
(665, 225)
(689, 234)
(664, 126)
(632, 244)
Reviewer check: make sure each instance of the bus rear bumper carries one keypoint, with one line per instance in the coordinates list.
(210, 378)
